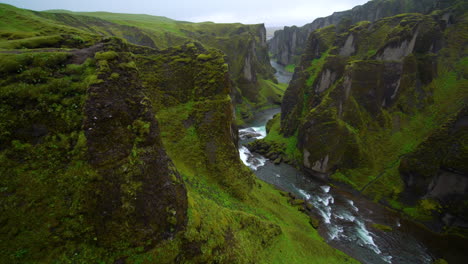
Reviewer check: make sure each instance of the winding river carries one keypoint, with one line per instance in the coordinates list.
(346, 219)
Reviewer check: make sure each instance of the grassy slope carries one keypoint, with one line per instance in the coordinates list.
(21, 28)
(155, 25)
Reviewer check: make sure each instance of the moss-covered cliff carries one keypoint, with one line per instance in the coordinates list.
(116, 153)
(290, 43)
(382, 106)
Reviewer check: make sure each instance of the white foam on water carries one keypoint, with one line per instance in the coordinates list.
(304, 194)
(248, 159)
(351, 203)
(335, 232)
(325, 188)
(243, 154)
(326, 214)
(387, 259)
(365, 237)
(261, 130)
(326, 200)
(345, 215)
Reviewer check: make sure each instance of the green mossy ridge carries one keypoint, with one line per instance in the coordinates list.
(242, 44)
(270, 92)
(440, 261)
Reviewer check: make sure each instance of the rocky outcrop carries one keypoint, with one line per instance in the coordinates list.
(271, 150)
(288, 44)
(110, 183)
(140, 196)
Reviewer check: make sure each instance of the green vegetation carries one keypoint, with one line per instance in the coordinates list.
(440, 261)
(314, 69)
(43, 156)
(290, 67)
(270, 92)
(288, 144)
(381, 227)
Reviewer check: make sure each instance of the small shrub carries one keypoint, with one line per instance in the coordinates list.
(108, 55)
(9, 65)
(204, 57)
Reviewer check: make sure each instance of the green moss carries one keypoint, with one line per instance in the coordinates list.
(53, 184)
(290, 67)
(204, 57)
(107, 55)
(270, 93)
(381, 227)
(314, 69)
(338, 176)
(440, 261)
(32, 43)
(114, 76)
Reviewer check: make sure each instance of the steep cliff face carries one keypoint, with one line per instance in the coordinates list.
(366, 105)
(289, 44)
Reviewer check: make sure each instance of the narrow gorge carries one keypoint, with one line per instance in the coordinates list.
(129, 138)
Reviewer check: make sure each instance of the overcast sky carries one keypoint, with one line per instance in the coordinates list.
(270, 12)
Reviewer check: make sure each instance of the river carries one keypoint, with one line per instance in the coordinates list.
(346, 219)
(281, 74)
